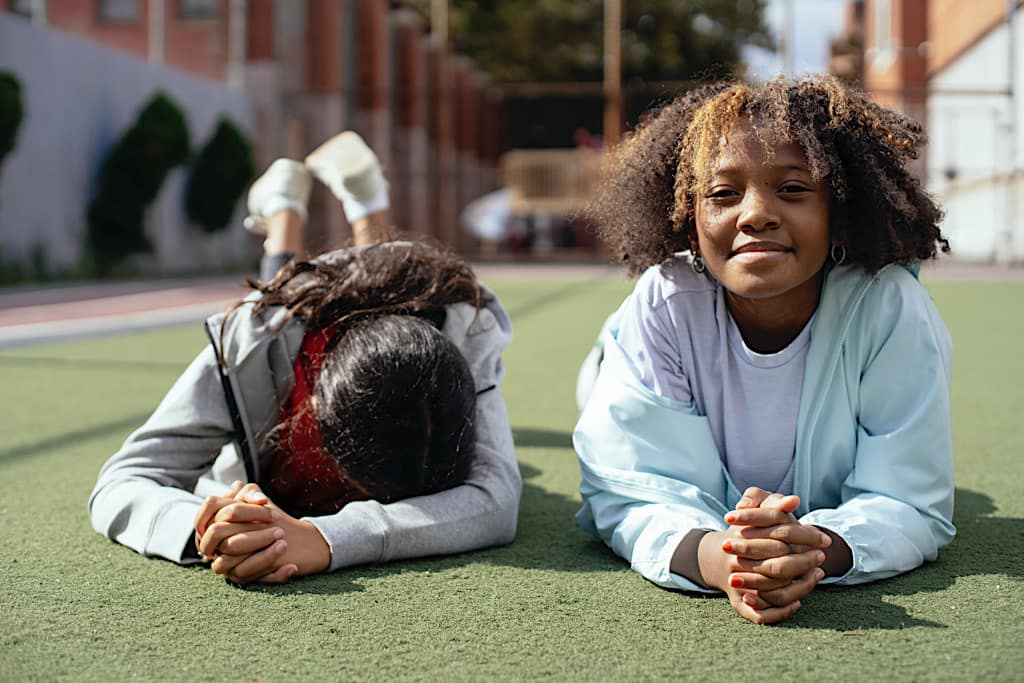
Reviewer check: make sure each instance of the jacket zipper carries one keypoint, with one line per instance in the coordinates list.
(236, 415)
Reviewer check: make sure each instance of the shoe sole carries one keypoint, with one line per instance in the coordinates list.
(348, 158)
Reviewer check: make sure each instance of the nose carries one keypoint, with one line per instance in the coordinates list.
(758, 211)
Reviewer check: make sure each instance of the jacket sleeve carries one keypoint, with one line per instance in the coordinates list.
(897, 503)
(480, 513)
(650, 468)
(143, 497)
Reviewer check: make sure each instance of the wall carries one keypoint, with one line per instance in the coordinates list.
(955, 25)
(79, 99)
(973, 147)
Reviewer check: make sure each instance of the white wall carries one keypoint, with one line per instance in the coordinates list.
(79, 98)
(971, 135)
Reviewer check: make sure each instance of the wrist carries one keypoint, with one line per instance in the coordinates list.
(684, 560)
(711, 560)
(316, 552)
(838, 556)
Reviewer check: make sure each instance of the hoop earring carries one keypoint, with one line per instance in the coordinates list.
(697, 263)
(838, 257)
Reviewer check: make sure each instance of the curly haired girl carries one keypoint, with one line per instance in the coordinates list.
(772, 409)
(361, 389)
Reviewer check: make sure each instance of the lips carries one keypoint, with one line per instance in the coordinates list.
(754, 247)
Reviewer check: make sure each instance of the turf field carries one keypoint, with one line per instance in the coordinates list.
(554, 604)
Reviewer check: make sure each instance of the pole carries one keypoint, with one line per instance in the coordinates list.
(612, 71)
(237, 37)
(1007, 251)
(157, 35)
(38, 12)
(447, 164)
(439, 21)
(788, 37)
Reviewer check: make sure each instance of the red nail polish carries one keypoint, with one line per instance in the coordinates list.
(735, 581)
(727, 546)
(730, 518)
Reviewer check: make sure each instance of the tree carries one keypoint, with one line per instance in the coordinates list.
(220, 174)
(562, 40)
(130, 180)
(11, 111)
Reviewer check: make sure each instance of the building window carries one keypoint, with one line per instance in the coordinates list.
(119, 11)
(22, 7)
(198, 9)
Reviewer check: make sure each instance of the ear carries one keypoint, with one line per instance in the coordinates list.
(694, 244)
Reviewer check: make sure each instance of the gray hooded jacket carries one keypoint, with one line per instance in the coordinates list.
(146, 496)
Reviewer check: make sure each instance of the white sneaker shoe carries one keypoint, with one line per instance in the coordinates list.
(285, 184)
(352, 171)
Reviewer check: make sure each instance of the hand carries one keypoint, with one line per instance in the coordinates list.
(270, 552)
(214, 504)
(756, 560)
(780, 557)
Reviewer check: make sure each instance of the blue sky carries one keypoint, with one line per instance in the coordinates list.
(814, 24)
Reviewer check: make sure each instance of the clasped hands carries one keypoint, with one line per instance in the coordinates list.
(766, 561)
(249, 539)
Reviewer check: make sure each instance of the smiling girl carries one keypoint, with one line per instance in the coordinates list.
(772, 410)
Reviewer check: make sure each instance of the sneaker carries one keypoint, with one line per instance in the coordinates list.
(352, 171)
(284, 185)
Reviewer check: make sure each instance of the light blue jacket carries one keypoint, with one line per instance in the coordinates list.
(873, 446)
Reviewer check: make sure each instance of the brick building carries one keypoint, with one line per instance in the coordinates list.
(957, 67)
(311, 68)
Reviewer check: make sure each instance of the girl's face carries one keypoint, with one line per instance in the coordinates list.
(763, 225)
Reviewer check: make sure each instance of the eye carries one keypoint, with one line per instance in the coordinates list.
(722, 193)
(794, 189)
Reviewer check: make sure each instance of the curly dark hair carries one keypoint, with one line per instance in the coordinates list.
(644, 209)
(400, 278)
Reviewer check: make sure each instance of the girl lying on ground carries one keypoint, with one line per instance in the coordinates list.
(361, 389)
(772, 409)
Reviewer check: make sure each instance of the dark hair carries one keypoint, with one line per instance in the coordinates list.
(395, 398)
(404, 278)
(394, 403)
(860, 150)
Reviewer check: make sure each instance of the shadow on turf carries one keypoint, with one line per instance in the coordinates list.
(547, 539)
(42, 446)
(981, 548)
(529, 437)
(96, 364)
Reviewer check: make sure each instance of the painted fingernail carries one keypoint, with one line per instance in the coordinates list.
(735, 581)
(820, 557)
(727, 546)
(278, 533)
(730, 518)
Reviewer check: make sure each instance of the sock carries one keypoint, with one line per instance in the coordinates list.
(361, 208)
(279, 202)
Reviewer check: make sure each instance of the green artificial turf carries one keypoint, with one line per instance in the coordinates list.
(553, 604)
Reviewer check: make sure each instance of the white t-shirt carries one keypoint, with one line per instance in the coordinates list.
(684, 345)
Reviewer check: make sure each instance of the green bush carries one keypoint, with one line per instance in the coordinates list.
(130, 180)
(11, 111)
(220, 174)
